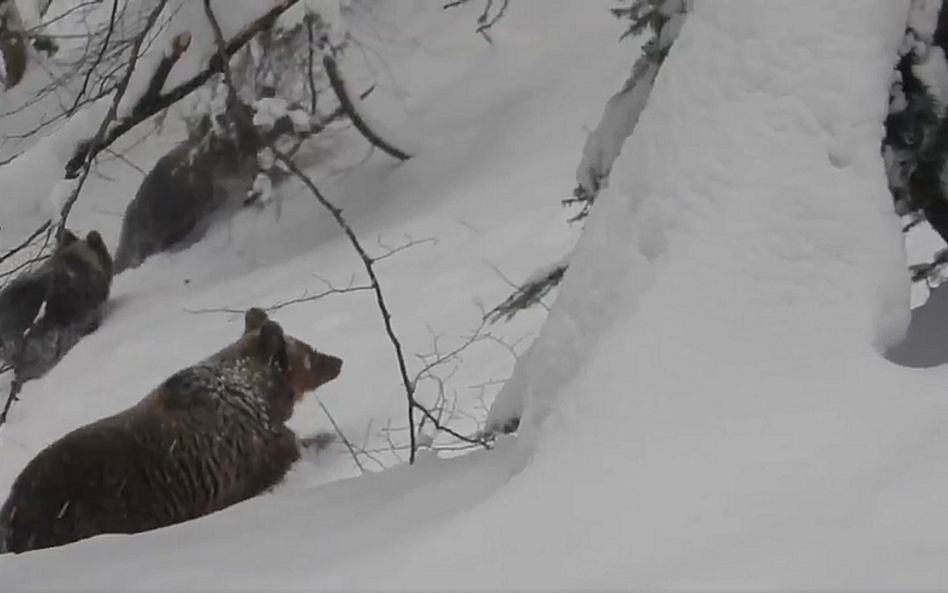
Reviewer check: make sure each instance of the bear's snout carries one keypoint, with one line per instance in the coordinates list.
(332, 364)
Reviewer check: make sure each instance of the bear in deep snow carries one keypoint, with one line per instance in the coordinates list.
(209, 436)
(180, 197)
(74, 283)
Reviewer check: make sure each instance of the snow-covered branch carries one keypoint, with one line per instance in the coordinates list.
(151, 102)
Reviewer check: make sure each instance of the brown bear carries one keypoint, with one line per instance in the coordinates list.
(210, 436)
(202, 179)
(68, 292)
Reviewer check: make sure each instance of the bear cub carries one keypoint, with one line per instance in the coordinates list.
(74, 283)
(210, 436)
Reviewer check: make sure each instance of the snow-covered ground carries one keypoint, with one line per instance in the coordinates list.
(706, 405)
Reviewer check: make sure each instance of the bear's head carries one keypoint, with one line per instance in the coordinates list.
(97, 246)
(304, 367)
(91, 250)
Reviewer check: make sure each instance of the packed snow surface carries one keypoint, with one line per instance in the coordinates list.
(706, 404)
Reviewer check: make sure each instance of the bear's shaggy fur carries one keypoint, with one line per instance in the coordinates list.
(209, 436)
(74, 284)
(178, 199)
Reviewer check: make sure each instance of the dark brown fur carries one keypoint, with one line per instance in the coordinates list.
(74, 284)
(209, 436)
(179, 198)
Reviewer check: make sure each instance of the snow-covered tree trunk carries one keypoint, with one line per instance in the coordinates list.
(753, 193)
(706, 399)
(664, 19)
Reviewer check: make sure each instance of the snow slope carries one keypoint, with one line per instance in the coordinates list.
(487, 197)
(706, 404)
(705, 407)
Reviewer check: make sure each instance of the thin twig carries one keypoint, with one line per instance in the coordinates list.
(26, 242)
(91, 70)
(341, 435)
(303, 299)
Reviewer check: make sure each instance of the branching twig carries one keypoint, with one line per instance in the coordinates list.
(390, 251)
(26, 242)
(306, 298)
(369, 265)
(91, 70)
(485, 22)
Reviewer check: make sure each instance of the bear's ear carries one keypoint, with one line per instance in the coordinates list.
(273, 345)
(66, 240)
(95, 239)
(254, 319)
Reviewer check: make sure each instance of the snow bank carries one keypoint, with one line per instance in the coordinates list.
(705, 407)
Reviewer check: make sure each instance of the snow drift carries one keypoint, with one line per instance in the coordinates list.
(706, 404)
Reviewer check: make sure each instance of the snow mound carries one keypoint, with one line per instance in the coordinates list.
(706, 405)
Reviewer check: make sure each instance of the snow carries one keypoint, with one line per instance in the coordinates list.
(705, 406)
(59, 197)
(932, 70)
(622, 110)
(268, 110)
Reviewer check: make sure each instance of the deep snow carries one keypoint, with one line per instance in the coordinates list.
(706, 403)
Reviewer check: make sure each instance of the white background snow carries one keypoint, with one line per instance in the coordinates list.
(706, 405)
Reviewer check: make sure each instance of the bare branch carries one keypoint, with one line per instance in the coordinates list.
(26, 242)
(390, 251)
(339, 86)
(306, 298)
(98, 60)
(486, 22)
(150, 105)
(369, 265)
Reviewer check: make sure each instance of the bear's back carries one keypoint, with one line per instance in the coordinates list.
(182, 452)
